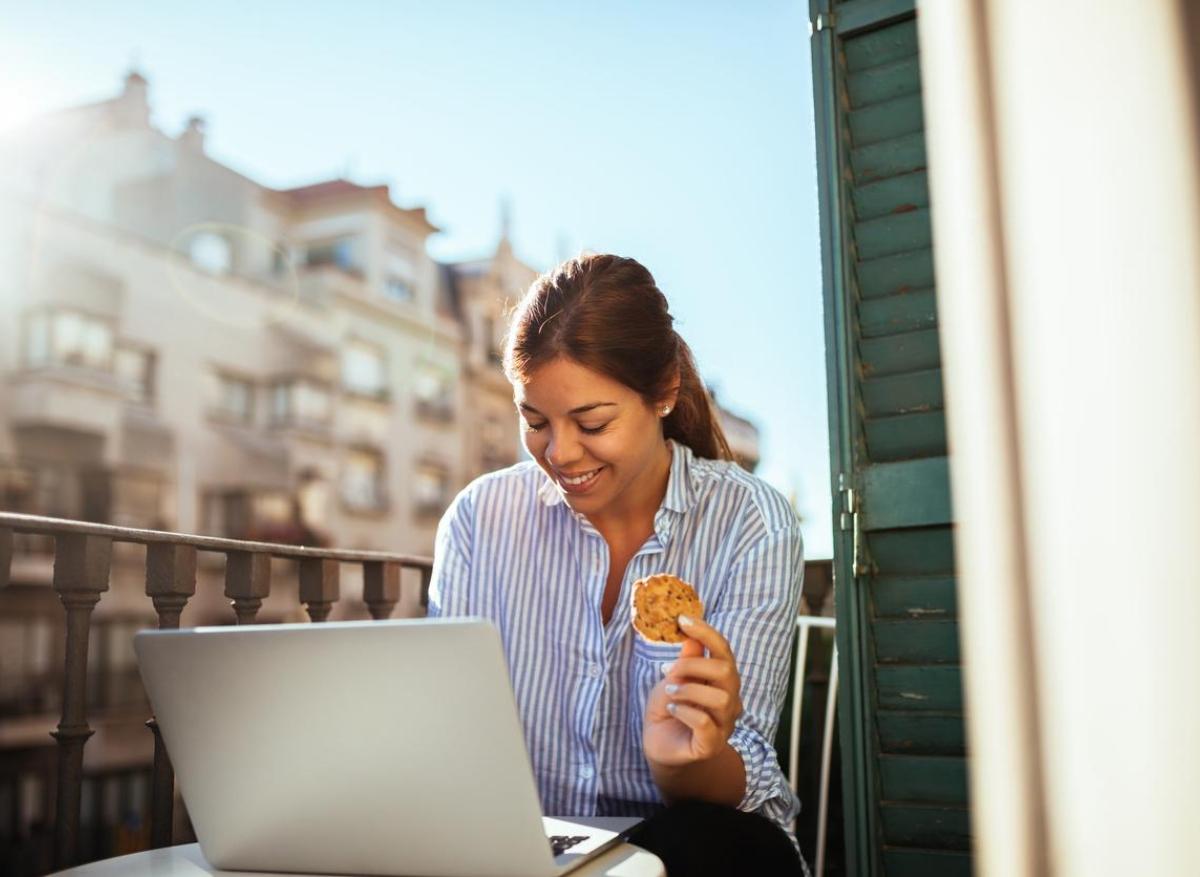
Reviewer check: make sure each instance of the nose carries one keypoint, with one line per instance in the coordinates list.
(563, 449)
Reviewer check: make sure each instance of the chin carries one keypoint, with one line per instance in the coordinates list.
(589, 504)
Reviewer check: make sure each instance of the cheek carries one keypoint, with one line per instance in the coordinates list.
(611, 449)
(535, 443)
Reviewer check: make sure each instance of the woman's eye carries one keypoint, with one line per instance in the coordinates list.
(592, 430)
(533, 427)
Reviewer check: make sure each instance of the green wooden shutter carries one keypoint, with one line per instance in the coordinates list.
(902, 741)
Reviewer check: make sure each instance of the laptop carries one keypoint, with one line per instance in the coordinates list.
(381, 748)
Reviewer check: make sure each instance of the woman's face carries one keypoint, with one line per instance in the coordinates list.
(597, 439)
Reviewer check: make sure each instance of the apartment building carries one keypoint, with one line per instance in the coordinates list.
(192, 349)
(185, 347)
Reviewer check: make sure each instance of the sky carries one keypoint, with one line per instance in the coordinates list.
(678, 132)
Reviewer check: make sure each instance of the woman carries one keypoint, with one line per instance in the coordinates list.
(632, 475)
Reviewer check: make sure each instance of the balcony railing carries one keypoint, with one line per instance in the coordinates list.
(82, 567)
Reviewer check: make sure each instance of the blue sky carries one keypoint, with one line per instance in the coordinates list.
(679, 133)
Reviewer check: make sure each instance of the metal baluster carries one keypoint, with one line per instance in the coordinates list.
(826, 762)
(103, 657)
(798, 681)
(381, 587)
(96, 848)
(170, 581)
(247, 583)
(6, 553)
(81, 568)
(319, 586)
(426, 576)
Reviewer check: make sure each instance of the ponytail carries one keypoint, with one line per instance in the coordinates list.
(693, 420)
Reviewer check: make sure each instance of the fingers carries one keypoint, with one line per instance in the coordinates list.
(716, 700)
(656, 704)
(722, 673)
(706, 736)
(691, 648)
(706, 635)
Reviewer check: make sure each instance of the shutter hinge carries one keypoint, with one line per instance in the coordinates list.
(850, 521)
(823, 21)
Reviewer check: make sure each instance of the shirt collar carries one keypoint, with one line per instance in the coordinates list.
(681, 487)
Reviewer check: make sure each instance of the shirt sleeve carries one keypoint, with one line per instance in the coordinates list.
(756, 613)
(449, 583)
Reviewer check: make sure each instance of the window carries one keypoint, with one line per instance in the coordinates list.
(362, 480)
(491, 341)
(499, 443)
(364, 370)
(300, 402)
(17, 483)
(242, 514)
(397, 288)
(211, 252)
(313, 496)
(281, 258)
(231, 397)
(67, 337)
(82, 340)
(431, 489)
(434, 392)
(338, 252)
(37, 339)
(138, 499)
(271, 508)
(134, 368)
(398, 284)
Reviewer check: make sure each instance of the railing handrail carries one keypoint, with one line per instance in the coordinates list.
(21, 523)
(82, 572)
(805, 623)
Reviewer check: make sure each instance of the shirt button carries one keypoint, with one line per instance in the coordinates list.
(587, 771)
(594, 670)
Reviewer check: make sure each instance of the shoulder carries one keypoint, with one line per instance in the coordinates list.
(765, 510)
(509, 488)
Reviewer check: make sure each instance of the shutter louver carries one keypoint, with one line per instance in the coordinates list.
(889, 440)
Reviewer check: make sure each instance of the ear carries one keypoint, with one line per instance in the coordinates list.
(672, 395)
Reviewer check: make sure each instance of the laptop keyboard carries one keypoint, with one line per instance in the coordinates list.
(560, 843)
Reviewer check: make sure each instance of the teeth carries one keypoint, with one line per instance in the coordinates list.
(581, 479)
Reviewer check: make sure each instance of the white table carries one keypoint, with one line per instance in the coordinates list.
(625, 860)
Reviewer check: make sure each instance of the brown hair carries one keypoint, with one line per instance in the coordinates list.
(606, 313)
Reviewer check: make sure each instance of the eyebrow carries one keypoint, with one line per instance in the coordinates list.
(582, 409)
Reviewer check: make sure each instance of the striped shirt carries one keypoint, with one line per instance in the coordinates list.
(511, 549)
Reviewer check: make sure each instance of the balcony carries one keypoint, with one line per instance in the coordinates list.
(76, 803)
(69, 397)
(68, 806)
(302, 408)
(323, 284)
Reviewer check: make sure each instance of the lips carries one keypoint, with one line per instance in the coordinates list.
(580, 482)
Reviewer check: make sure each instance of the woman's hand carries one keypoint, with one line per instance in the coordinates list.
(691, 711)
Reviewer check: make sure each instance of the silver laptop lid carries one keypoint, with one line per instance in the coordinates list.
(357, 747)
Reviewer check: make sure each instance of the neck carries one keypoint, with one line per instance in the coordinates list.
(633, 515)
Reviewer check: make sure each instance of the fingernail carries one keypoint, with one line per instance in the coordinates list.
(672, 688)
(671, 707)
(667, 668)
(685, 621)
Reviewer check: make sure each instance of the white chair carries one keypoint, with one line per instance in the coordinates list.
(805, 623)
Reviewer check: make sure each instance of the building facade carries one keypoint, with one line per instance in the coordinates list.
(191, 349)
(185, 348)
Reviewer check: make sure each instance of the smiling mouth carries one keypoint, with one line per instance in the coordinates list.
(579, 482)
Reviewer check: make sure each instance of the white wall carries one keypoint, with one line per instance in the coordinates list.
(1063, 170)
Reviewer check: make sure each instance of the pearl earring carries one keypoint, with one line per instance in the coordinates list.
(666, 410)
